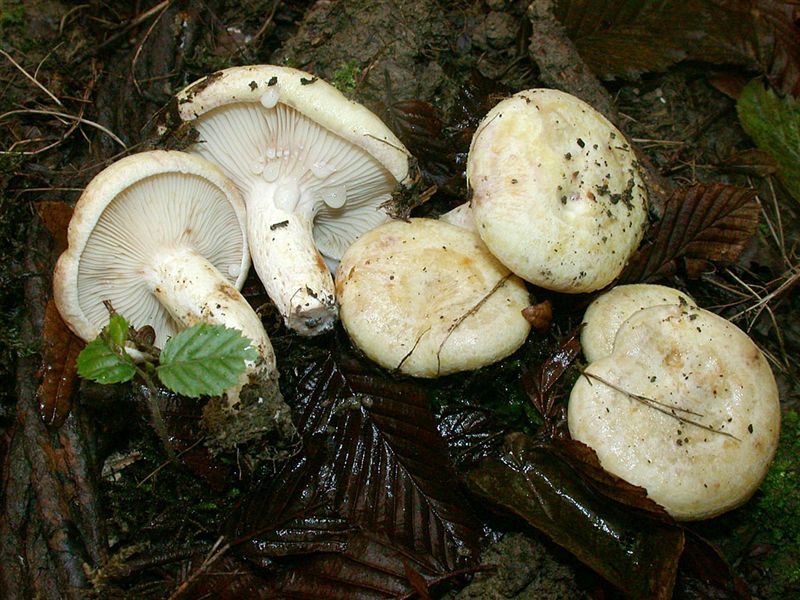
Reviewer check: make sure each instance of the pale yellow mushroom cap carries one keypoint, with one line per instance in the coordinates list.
(606, 313)
(556, 191)
(426, 298)
(697, 424)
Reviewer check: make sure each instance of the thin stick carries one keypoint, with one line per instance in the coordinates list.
(141, 45)
(31, 77)
(53, 113)
(656, 405)
(469, 313)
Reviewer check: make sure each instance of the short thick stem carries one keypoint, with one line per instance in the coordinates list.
(291, 268)
(194, 291)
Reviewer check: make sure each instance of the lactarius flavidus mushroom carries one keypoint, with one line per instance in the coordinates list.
(685, 406)
(425, 298)
(556, 191)
(161, 236)
(313, 168)
(610, 310)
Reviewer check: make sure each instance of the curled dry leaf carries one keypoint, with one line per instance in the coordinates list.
(701, 224)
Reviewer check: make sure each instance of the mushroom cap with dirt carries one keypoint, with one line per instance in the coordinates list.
(556, 191)
(425, 298)
(313, 167)
(610, 310)
(685, 406)
(161, 237)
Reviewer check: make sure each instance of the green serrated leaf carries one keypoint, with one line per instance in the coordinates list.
(117, 330)
(774, 125)
(204, 360)
(98, 362)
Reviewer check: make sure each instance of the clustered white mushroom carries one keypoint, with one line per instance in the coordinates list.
(161, 236)
(683, 403)
(675, 398)
(313, 167)
(556, 191)
(426, 298)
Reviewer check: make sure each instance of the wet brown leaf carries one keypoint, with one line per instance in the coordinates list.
(704, 574)
(701, 224)
(637, 554)
(372, 493)
(60, 348)
(56, 217)
(540, 382)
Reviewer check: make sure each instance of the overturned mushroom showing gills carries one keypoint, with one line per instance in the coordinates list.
(685, 406)
(425, 298)
(556, 191)
(313, 167)
(161, 236)
(608, 311)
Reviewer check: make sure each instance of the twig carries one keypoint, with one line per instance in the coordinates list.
(263, 29)
(661, 407)
(53, 113)
(167, 462)
(467, 314)
(132, 23)
(216, 552)
(31, 77)
(410, 352)
(141, 45)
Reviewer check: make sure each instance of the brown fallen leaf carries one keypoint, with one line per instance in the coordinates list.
(701, 224)
(627, 39)
(56, 217)
(59, 373)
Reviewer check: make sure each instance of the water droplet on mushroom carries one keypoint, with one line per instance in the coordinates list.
(335, 197)
(270, 98)
(234, 270)
(321, 170)
(287, 195)
(258, 165)
(271, 171)
(270, 152)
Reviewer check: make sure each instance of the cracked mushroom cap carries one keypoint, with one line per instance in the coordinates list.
(157, 234)
(426, 298)
(313, 167)
(556, 191)
(607, 312)
(685, 406)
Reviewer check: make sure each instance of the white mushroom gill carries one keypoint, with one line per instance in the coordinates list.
(133, 232)
(305, 188)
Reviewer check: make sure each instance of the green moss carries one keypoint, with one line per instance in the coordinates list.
(345, 78)
(778, 511)
(11, 14)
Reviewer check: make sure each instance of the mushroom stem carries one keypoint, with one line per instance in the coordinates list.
(290, 266)
(194, 291)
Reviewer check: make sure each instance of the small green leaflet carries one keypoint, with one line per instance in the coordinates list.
(204, 360)
(104, 359)
(774, 125)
